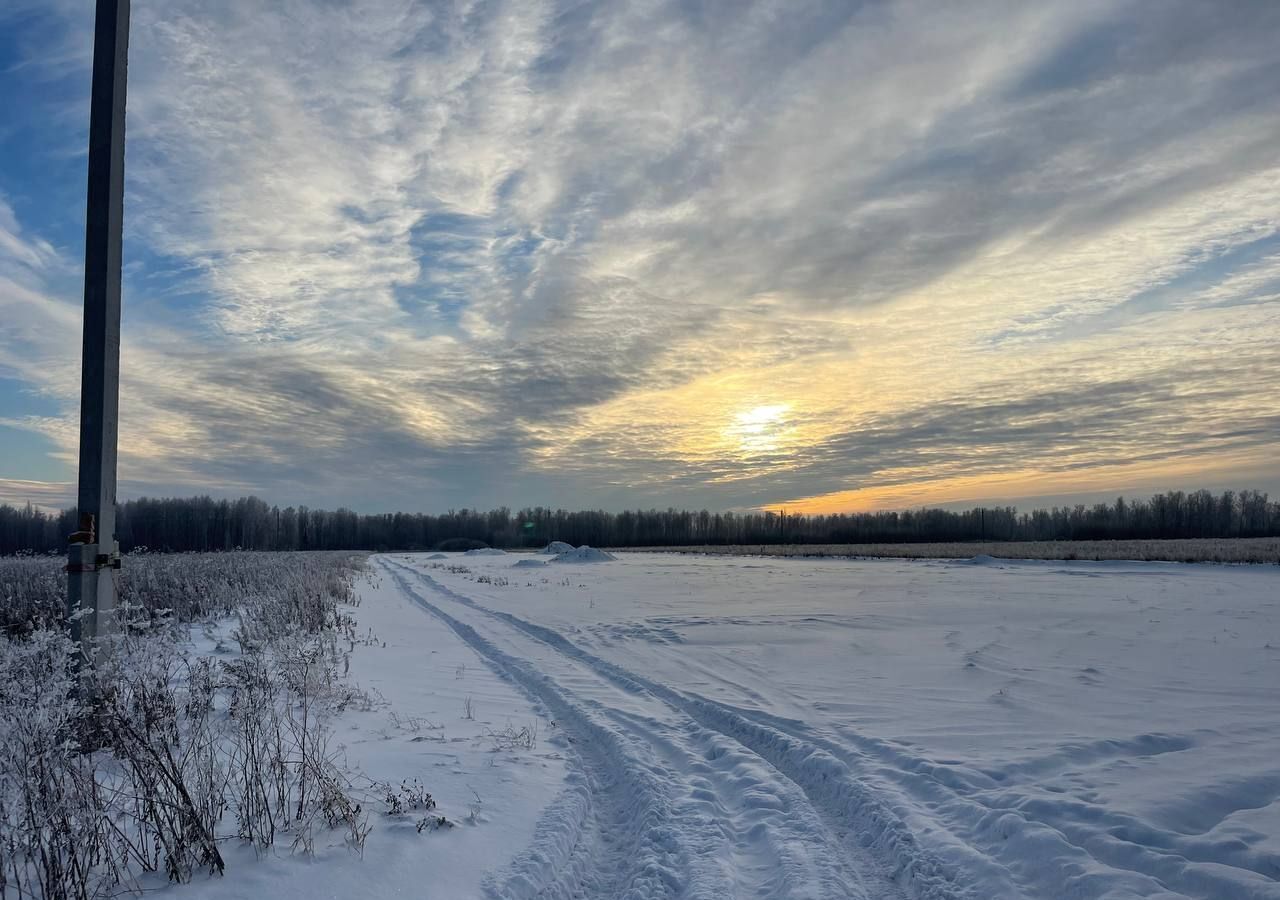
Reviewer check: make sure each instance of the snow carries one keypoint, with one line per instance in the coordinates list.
(717, 727)
(438, 556)
(530, 564)
(556, 547)
(485, 551)
(584, 554)
(421, 680)
(886, 728)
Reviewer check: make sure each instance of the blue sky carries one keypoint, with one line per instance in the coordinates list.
(396, 254)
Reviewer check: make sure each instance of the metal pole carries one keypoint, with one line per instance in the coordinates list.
(93, 552)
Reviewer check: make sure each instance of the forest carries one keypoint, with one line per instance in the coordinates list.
(249, 523)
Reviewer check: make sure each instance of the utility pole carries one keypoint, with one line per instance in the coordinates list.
(93, 551)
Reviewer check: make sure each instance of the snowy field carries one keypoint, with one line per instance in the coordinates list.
(1219, 550)
(699, 727)
(731, 727)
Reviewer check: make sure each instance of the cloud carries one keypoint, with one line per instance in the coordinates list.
(395, 254)
(44, 495)
(19, 252)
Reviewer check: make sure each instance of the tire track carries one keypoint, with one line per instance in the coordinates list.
(861, 833)
(597, 840)
(722, 825)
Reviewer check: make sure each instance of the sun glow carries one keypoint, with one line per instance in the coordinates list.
(757, 430)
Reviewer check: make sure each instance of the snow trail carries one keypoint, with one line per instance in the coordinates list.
(740, 810)
(953, 730)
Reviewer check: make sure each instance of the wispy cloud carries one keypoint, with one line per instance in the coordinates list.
(399, 254)
(44, 495)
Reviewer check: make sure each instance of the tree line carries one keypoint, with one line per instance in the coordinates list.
(249, 523)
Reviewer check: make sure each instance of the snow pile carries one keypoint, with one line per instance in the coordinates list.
(438, 556)
(486, 551)
(556, 547)
(530, 564)
(982, 560)
(583, 554)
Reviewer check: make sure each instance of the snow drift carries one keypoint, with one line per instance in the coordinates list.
(485, 551)
(583, 554)
(556, 547)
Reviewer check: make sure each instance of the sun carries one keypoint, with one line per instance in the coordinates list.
(761, 417)
(756, 430)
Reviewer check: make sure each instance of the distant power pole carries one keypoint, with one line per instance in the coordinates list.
(94, 553)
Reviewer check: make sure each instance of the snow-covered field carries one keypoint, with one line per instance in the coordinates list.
(732, 727)
(1219, 550)
(660, 725)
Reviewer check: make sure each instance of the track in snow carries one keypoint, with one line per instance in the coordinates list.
(679, 796)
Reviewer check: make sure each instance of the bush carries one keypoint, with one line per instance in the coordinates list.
(53, 827)
(90, 798)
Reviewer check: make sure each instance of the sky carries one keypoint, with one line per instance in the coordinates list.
(394, 254)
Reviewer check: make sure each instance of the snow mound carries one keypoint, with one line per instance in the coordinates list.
(557, 547)
(583, 554)
(982, 560)
(486, 551)
(530, 564)
(438, 556)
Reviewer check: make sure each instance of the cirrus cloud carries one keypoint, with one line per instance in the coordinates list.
(389, 254)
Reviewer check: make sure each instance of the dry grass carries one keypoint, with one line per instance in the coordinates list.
(93, 798)
(188, 587)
